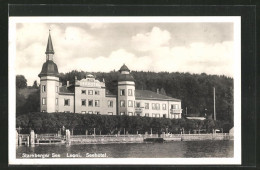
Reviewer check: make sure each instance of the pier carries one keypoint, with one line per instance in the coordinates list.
(32, 138)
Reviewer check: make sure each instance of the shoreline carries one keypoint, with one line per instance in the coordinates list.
(109, 139)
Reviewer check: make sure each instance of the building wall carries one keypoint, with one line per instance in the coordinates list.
(62, 106)
(95, 96)
(159, 111)
(50, 94)
(109, 110)
(127, 109)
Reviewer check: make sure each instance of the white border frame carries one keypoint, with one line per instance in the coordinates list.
(236, 160)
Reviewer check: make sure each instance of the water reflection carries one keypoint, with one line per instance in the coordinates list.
(178, 149)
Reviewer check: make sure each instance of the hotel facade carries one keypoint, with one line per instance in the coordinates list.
(89, 95)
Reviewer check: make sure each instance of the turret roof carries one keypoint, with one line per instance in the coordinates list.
(49, 49)
(49, 68)
(124, 68)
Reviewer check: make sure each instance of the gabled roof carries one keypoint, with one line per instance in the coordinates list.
(149, 95)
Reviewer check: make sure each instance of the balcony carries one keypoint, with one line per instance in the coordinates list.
(172, 111)
(139, 109)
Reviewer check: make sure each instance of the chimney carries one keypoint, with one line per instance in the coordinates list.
(158, 91)
(68, 83)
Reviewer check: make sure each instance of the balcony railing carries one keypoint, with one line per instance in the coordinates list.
(139, 109)
(172, 111)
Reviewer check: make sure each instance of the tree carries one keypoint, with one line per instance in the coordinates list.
(21, 82)
(35, 84)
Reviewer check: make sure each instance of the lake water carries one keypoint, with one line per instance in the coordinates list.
(178, 149)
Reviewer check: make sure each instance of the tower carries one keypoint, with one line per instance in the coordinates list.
(49, 82)
(126, 92)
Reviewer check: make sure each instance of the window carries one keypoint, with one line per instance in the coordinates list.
(137, 114)
(110, 113)
(122, 113)
(164, 106)
(164, 115)
(83, 91)
(146, 114)
(110, 103)
(122, 92)
(96, 92)
(130, 92)
(155, 115)
(90, 112)
(43, 88)
(174, 106)
(43, 101)
(83, 102)
(130, 103)
(157, 106)
(97, 112)
(57, 89)
(66, 102)
(57, 101)
(96, 103)
(146, 105)
(130, 113)
(90, 92)
(83, 112)
(138, 104)
(153, 106)
(122, 103)
(90, 103)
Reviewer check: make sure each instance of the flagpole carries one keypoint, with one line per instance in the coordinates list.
(214, 104)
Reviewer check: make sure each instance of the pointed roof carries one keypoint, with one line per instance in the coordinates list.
(49, 49)
(124, 68)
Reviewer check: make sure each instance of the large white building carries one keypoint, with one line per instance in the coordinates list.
(89, 95)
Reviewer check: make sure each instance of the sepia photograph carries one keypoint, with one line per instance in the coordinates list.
(125, 90)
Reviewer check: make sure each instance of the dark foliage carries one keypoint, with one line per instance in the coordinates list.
(107, 124)
(31, 104)
(21, 82)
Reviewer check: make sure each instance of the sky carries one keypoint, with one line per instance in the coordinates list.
(93, 47)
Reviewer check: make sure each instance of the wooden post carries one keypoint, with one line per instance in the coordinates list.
(68, 136)
(94, 131)
(86, 132)
(151, 131)
(20, 140)
(17, 138)
(32, 137)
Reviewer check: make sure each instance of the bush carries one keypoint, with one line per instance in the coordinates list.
(107, 124)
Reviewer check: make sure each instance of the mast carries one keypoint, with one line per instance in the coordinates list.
(214, 103)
